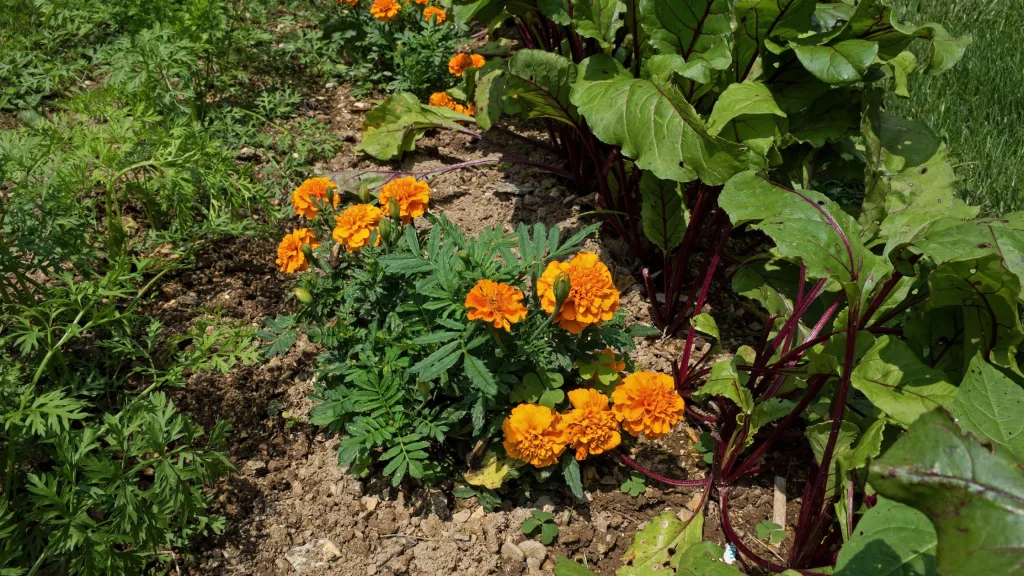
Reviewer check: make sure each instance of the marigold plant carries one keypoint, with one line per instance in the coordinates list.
(647, 403)
(290, 258)
(496, 303)
(437, 13)
(311, 191)
(385, 10)
(355, 225)
(411, 194)
(443, 100)
(462, 62)
(534, 434)
(591, 425)
(592, 299)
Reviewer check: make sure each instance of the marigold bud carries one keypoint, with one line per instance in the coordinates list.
(562, 286)
(393, 210)
(307, 251)
(384, 228)
(303, 295)
(464, 256)
(331, 197)
(364, 194)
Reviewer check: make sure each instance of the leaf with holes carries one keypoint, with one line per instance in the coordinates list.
(659, 546)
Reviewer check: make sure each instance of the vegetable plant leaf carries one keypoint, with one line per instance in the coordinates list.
(890, 538)
(727, 381)
(991, 406)
(659, 546)
(598, 19)
(685, 27)
(704, 559)
(745, 98)
(806, 225)
(654, 125)
(392, 129)
(904, 159)
(898, 383)
(839, 64)
(973, 495)
(664, 214)
(758, 20)
(539, 82)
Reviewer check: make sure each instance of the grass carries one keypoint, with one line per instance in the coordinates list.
(979, 105)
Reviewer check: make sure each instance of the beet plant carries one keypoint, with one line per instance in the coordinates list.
(654, 105)
(889, 304)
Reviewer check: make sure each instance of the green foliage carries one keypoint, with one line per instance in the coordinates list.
(890, 537)
(99, 476)
(542, 524)
(661, 545)
(981, 127)
(405, 378)
(973, 495)
(635, 485)
(770, 532)
(405, 54)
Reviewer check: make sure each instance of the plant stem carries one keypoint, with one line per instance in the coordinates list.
(703, 482)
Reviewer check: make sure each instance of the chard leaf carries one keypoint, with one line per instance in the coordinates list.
(664, 214)
(805, 225)
(898, 383)
(539, 82)
(555, 10)
(889, 539)
(598, 19)
(759, 20)
(392, 129)
(727, 381)
(490, 89)
(954, 241)
(818, 435)
(839, 64)
(986, 295)
(905, 159)
(704, 559)
(989, 405)
(743, 99)
(685, 28)
(654, 125)
(660, 545)
(973, 495)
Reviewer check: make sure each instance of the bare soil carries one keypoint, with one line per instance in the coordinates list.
(292, 509)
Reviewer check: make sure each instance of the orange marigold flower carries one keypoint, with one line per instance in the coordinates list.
(289, 252)
(385, 10)
(496, 303)
(422, 2)
(592, 299)
(647, 403)
(348, 2)
(355, 224)
(436, 12)
(534, 434)
(441, 99)
(305, 196)
(591, 425)
(412, 195)
(462, 62)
